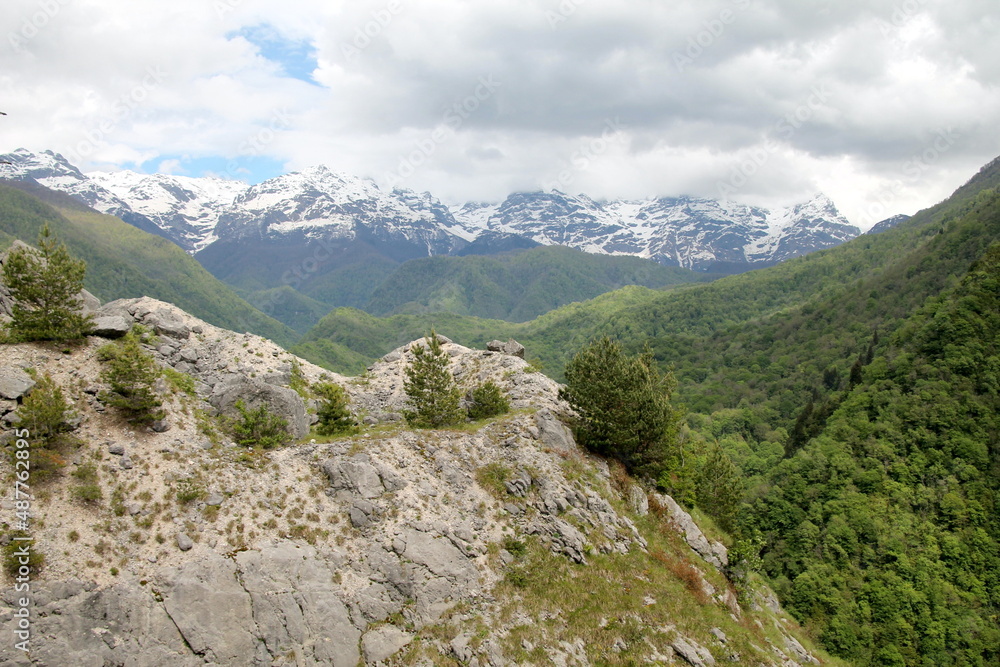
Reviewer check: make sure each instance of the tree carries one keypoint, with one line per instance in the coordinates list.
(431, 388)
(45, 285)
(46, 414)
(334, 417)
(130, 372)
(488, 400)
(259, 427)
(623, 407)
(719, 488)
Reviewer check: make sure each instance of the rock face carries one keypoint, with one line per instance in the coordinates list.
(14, 383)
(281, 401)
(369, 547)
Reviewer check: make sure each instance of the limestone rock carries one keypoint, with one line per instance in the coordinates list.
(638, 500)
(356, 475)
(511, 347)
(284, 402)
(695, 654)
(14, 383)
(212, 610)
(184, 543)
(712, 552)
(554, 434)
(111, 326)
(383, 642)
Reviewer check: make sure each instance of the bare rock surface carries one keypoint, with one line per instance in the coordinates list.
(321, 553)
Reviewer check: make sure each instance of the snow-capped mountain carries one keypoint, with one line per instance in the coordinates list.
(318, 203)
(689, 232)
(56, 173)
(188, 209)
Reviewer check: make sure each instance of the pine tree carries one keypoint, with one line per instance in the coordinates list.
(131, 371)
(334, 416)
(623, 407)
(45, 285)
(720, 488)
(431, 388)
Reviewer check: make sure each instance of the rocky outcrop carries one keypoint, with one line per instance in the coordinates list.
(14, 383)
(711, 551)
(364, 547)
(252, 393)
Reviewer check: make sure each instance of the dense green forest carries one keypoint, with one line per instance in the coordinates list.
(853, 392)
(515, 286)
(123, 261)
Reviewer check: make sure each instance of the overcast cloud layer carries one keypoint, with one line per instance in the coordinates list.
(885, 105)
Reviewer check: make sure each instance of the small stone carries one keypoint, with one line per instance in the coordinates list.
(214, 499)
(133, 508)
(184, 543)
(126, 463)
(117, 449)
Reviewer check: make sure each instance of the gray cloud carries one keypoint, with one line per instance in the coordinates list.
(807, 94)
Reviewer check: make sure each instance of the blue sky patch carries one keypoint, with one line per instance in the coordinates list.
(296, 57)
(249, 169)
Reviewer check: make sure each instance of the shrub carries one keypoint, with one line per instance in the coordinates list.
(258, 427)
(45, 285)
(13, 554)
(88, 490)
(130, 372)
(488, 400)
(431, 388)
(45, 412)
(623, 407)
(334, 417)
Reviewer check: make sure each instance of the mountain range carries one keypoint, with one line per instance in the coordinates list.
(320, 204)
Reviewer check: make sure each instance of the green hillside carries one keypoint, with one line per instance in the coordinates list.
(857, 391)
(123, 261)
(883, 531)
(515, 286)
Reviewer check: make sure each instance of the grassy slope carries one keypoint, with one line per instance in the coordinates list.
(123, 262)
(516, 286)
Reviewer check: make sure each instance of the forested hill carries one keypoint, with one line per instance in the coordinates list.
(124, 261)
(883, 530)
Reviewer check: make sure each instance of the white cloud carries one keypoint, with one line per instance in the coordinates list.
(701, 88)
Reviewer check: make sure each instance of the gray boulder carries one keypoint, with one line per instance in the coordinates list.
(712, 552)
(554, 434)
(355, 475)
(511, 347)
(284, 402)
(111, 326)
(166, 322)
(14, 383)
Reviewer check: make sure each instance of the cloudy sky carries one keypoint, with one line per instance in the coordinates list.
(885, 105)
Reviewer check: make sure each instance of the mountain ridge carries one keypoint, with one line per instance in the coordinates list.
(688, 232)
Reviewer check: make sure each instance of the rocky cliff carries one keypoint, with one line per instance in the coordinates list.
(497, 543)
